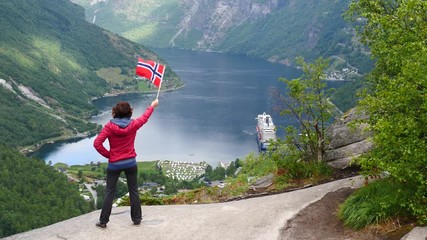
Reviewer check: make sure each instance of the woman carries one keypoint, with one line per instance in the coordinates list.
(121, 133)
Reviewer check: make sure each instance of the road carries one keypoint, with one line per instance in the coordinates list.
(93, 192)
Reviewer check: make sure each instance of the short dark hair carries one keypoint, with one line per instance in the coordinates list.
(122, 110)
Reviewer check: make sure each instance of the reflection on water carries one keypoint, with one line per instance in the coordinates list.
(211, 119)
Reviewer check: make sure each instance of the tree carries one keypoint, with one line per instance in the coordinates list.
(231, 169)
(395, 100)
(100, 191)
(153, 190)
(218, 173)
(157, 178)
(121, 189)
(307, 101)
(33, 194)
(170, 187)
(208, 170)
(237, 163)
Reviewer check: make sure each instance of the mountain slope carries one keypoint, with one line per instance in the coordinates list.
(34, 195)
(50, 60)
(275, 30)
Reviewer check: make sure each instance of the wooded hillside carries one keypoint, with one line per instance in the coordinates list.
(51, 59)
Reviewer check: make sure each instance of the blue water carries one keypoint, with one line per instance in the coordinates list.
(211, 119)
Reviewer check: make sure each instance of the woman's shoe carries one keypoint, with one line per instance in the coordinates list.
(101, 225)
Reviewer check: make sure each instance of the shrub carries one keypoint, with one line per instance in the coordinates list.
(377, 202)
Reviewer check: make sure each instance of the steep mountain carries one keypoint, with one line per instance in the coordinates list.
(53, 63)
(274, 30)
(33, 194)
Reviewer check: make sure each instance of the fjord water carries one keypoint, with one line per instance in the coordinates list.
(211, 119)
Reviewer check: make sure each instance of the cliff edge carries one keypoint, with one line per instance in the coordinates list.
(256, 218)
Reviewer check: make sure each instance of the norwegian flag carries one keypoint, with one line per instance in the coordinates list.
(151, 71)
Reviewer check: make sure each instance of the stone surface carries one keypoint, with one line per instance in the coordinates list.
(418, 233)
(347, 140)
(343, 133)
(261, 218)
(353, 149)
(262, 184)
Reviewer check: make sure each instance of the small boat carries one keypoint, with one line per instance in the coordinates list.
(266, 131)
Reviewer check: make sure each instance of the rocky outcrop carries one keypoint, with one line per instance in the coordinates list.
(215, 18)
(274, 30)
(262, 184)
(260, 218)
(347, 140)
(416, 233)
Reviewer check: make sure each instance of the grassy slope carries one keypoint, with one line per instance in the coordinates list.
(49, 48)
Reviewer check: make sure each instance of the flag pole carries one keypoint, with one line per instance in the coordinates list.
(161, 81)
(158, 90)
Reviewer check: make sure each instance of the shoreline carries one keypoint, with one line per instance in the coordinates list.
(28, 150)
(116, 94)
(31, 149)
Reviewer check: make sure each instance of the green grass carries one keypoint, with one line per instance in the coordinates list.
(144, 86)
(258, 165)
(88, 171)
(146, 200)
(147, 167)
(291, 172)
(141, 32)
(288, 173)
(377, 202)
(98, 172)
(237, 186)
(61, 165)
(113, 75)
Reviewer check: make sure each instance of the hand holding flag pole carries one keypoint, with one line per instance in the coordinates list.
(152, 71)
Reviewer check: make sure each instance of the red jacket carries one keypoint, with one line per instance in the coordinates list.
(121, 139)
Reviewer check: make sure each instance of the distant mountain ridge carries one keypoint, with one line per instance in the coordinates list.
(274, 30)
(51, 63)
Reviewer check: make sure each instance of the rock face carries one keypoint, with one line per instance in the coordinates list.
(416, 233)
(347, 141)
(223, 16)
(262, 184)
(277, 30)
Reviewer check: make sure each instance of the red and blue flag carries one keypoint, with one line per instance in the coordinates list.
(150, 70)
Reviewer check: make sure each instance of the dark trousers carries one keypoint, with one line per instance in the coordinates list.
(135, 202)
